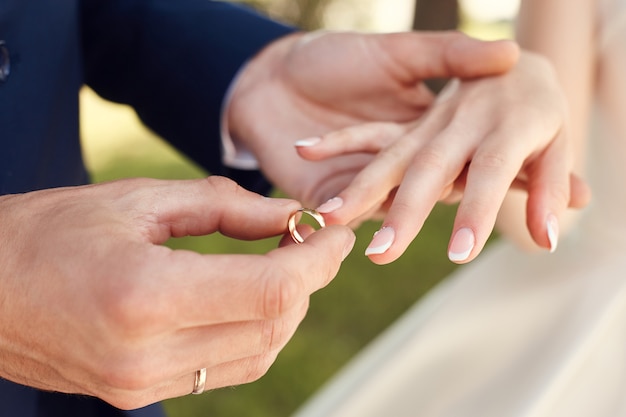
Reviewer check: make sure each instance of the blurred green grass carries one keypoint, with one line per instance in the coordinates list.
(362, 300)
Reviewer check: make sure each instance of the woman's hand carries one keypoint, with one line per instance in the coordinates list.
(480, 138)
(309, 85)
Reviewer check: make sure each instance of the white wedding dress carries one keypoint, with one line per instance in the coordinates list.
(514, 334)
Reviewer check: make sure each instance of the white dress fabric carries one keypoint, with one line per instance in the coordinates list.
(514, 334)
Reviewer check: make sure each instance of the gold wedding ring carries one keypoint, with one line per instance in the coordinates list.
(198, 384)
(297, 237)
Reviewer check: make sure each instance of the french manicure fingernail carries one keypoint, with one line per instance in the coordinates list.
(331, 205)
(305, 143)
(462, 244)
(381, 242)
(552, 226)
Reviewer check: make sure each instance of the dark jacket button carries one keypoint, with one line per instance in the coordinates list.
(5, 62)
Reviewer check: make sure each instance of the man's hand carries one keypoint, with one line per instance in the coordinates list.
(92, 303)
(307, 85)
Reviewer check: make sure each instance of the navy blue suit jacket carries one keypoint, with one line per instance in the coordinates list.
(172, 60)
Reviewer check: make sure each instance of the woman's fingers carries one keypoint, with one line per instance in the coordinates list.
(451, 168)
(490, 174)
(369, 188)
(548, 194)
(580, 192)
(433, 168)
(363, 138)
(466, 148)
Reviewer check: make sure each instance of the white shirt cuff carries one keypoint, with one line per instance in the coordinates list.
(234, 154)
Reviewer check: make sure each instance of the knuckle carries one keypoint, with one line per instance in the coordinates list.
(559, 192)
(399, 151)
(258, 367)
(276, 333)
(127, 373)
(345, 136)
(430, 158)
(222, 184)
(127, 313)
(225, 188)
(490, 161)
(403, 209)
(371, 137)
(487, 207)
(282, 290)
(273, 333)
(122, 315)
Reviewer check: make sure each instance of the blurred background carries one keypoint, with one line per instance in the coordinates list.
(364, 298)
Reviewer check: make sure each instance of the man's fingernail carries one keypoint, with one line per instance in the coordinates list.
(331, 205)
(305, 143)
(348, 248)
(462, 244)
(381, 242)
(281, 202)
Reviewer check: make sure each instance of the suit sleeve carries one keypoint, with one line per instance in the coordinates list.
(172, 61)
